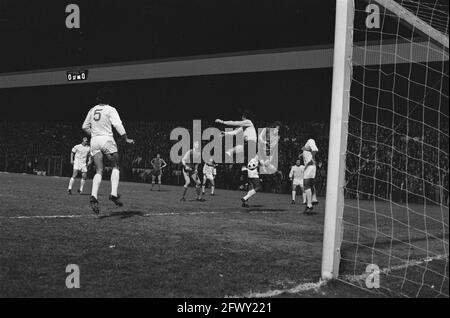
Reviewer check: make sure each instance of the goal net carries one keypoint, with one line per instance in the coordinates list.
(395, 218)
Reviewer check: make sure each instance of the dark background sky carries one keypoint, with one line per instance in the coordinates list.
(33, 36)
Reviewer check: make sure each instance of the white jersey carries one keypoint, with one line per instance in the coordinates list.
(249, 131)
(100, 120)
(209, 170)
(81, 153)
(310, 146)
(296, 173)
(246, 126)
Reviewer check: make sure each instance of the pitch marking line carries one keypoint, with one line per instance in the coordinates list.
(22, 217)
(295, 290)
(74, 216)
(387, 270)
(350, 278)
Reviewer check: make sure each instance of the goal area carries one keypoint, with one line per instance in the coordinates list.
(386, 223)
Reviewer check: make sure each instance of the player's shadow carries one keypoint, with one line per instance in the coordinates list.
(122, 214)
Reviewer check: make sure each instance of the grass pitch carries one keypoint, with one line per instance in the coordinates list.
(156, 246)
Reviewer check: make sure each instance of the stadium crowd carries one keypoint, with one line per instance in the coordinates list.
(401, 166)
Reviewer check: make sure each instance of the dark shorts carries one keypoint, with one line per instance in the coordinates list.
(156, 172)
(255, 183)
(308, 183)
(192, 171)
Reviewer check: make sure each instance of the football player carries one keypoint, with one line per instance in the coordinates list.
(209, 173)
(78, 159)
(190, 162)
(309, 151)
(296, 176)
(98, 124)
(249, 148)
(253, 178)
(158, 164)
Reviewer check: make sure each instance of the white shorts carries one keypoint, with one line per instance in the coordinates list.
(298, 182)
(80, 166)
(310, 172)
(104, 144)
(209, 176)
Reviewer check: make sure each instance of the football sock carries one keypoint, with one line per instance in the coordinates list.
(82, 183)
(293, 195)
(115, 176)
(212, 189)
(184, 191)
(96, 184)
(304, 196)
(71, 181)
(308, 198)
(314, 197)
(250, 193)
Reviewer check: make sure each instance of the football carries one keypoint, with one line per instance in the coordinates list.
(252, 165)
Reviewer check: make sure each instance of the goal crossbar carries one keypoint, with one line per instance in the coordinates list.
(414, 21)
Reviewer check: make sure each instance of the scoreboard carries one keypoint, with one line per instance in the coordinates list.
(77, 75)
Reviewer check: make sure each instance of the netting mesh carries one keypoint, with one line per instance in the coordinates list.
(396, 193)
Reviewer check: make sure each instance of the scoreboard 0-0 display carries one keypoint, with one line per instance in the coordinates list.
(77, 75)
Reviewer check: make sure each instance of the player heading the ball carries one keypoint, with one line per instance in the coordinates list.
(309, 152)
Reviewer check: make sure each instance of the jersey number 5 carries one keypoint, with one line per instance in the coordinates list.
(97, 114)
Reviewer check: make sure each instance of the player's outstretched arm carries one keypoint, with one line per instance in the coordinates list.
(238, 123)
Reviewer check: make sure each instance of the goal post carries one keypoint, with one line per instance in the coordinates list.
(340, 99)
(386, 210)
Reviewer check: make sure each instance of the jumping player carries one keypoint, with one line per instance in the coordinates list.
(249, 148)
(296, 176)
(158, 164)
(98, 124)
(209, 173)
(78, 158)
(309, 151)
(190, 162)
